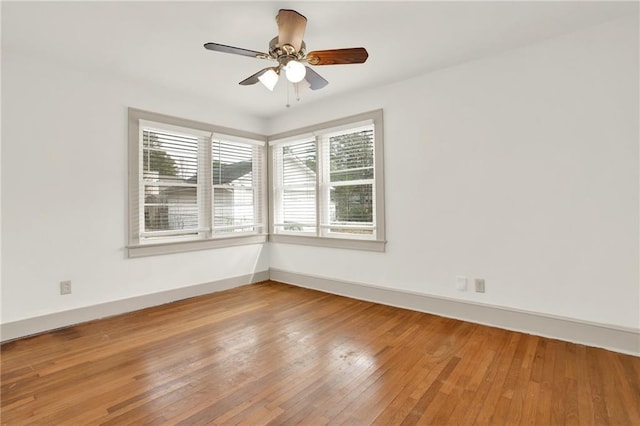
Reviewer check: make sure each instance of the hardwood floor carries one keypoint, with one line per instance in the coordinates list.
(279, 354)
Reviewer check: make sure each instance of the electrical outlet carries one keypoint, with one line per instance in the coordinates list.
(479, 285)
(65, 287)
(461, 283)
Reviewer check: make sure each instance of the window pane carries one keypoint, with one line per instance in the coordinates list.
(169, 208)
(297, 165)
(235, 174)
(154, 194)
(170, 175)
(232, 163)
(351, 204)
(170, 157)
(233, 210)
(299, 209)
(353, 174)
(170, 217)
(351, 156)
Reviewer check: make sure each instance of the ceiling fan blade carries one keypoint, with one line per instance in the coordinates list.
(291, 26)
(254, 78)
(315, 80)
(356, 55)
(234, 50)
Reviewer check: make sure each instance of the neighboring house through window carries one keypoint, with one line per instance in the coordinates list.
(327, 185)
(193, 185)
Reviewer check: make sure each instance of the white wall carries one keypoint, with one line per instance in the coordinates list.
(520, 168)
(64, 191)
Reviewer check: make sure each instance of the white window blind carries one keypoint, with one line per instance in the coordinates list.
(295, 181)
(237, 177)
(348, 183)
(170, 180)
(194, 187)
(326, 184)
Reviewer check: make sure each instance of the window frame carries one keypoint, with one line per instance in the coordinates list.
(371, 244)
(136, 248)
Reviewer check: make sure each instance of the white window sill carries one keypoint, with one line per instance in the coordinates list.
(153, 249)
(344, 243)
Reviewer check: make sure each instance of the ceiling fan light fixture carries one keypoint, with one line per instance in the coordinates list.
(289, 50)
(269, 79)
(295, 71)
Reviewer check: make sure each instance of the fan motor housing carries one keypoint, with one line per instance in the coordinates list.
(284, 54)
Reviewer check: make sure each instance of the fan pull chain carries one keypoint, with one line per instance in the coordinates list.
(288, 105)
(296, 88)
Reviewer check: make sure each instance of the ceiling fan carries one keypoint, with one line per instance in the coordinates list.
(289, 50)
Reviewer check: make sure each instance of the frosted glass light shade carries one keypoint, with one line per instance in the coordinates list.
(295, 71)
(269, 79)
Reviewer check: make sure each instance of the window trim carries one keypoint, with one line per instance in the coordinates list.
(134, 247)
(377, 244)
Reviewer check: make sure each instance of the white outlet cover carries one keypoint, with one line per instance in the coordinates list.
(461, 283)
(65, 287)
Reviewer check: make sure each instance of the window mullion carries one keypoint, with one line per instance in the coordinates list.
(258, 177)
(205, 188)
(319, 184)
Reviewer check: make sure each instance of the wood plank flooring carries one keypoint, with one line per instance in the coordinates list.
(272, 353)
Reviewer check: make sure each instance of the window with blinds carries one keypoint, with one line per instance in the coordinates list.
(348, 182)
(170, 172)
(236, 178)
(294, 182)
(193, 185)
(326, 183)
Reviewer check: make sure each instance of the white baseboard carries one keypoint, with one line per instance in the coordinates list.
(36, 325)
(611, 337)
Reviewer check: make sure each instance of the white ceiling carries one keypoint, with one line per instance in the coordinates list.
(161, 43)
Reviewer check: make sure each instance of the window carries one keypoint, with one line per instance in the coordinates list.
(193, 185)
(237, 185)
(327, 186)
(295, 180)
